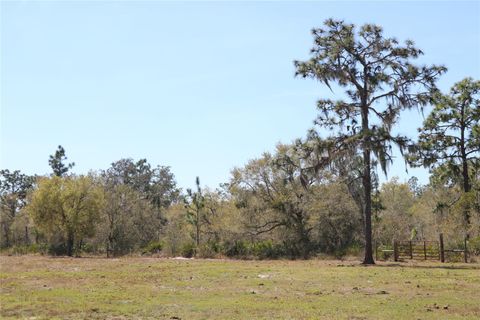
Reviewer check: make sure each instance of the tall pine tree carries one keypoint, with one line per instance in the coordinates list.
(449, 141)
(379, 81)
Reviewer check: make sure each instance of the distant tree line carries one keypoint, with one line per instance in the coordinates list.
(317, 195)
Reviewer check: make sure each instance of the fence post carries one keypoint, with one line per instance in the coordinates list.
(395, 250)
(442, 250)
(465, 250)
(425, 249)
(411, 250)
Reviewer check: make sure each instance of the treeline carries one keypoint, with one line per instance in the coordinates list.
(272, 207)
(317, 195)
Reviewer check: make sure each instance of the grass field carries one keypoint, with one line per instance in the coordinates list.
(36, 287)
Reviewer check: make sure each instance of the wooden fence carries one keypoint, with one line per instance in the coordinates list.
(422, 250)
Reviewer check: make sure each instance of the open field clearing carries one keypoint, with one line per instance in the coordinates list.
(36, 287)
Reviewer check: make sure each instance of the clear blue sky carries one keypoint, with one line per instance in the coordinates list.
(200, 87)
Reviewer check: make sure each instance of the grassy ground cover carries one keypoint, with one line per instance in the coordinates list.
(36, 287)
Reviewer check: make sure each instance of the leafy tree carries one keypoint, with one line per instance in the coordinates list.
(155, 184)
(127, 222)
(57, 164)
(379, 81)
(449, 141)
(137, 196)
(395, 219)
(275, 191)
(435, 211)
(135, 174)
(163, 189)
(336, 218)
(415, 187)
(14, 187)
(66, 209)
(177, 231)
(222, 220)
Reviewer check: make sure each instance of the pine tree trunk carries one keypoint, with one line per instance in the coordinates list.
(466, 178)
(466, 186)
(367, 186)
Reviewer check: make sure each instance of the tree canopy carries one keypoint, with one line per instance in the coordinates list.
(66, 208)
(450, 136)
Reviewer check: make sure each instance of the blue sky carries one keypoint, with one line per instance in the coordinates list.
(200, 87)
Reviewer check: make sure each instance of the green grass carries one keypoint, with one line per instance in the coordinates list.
(38, 287)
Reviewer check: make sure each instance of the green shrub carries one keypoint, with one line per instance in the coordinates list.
(187, 250)
(153, 247)
(236, 249)
(262, 249)
(266, 250)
